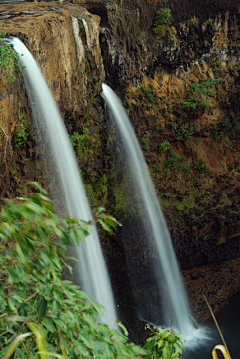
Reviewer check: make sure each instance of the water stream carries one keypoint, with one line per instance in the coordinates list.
(69, 191)
(151, 227)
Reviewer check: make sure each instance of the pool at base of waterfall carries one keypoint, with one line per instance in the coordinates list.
(228, 320)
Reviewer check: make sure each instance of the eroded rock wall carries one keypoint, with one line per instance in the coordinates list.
(64, 42)
(193, 157)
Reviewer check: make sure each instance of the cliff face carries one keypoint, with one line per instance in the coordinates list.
(181, 89)
(64, 42)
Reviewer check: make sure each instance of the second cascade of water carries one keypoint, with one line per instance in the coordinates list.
(48, 121)
(147, 212)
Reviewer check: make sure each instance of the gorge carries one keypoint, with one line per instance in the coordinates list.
(192, 152)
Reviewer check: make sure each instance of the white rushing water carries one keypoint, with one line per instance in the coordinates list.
(175, 304)
(92, 268)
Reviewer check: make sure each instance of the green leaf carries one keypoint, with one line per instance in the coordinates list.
(105, 226)
(12, 347)
(87, 340)
(60, 323)
(12, 304)
(40, 337)
(23, 255)
(48, 324)
(13, 275)
(99, 345)
(38, 186)
(59, 356)
(41, 306)
(122, 327)
(165, 353)
(58, 296)
(82, 349)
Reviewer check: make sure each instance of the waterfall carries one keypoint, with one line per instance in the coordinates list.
(60, 156)
(141, 201)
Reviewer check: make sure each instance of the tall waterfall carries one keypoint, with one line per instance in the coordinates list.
(151, 226)
(52, 131)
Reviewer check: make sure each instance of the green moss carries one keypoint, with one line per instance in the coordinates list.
(97, 190)
(24, 128)
(185, 204)
(87, 146)
(145, 141)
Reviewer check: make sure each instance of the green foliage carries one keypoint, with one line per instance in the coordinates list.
(190, 102)
(235, 98)
(184, 205)
(206, 103)
(200, 166)
(164, 17)
(194, 20)
(163, 22)
(122, 192)
(79, 140)
(157, 167)
(140, 36)
(162, 30)
(105, 220)
(20, 136)
(164, 146)
(174, 160)
(87, 146)
(8, 58)
(24, 126)
(97, 189)
(43, 315)
(178, 164)
(226, 126)
(216, 65)
(170, 109)
(33, 294)
(149, 93)
(205, 86)
(145, 141)
(231, 144)
(182, 132)
(163, 344)
(200, 88)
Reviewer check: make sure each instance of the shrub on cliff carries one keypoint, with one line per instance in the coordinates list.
(8, 58)
(163, 22)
